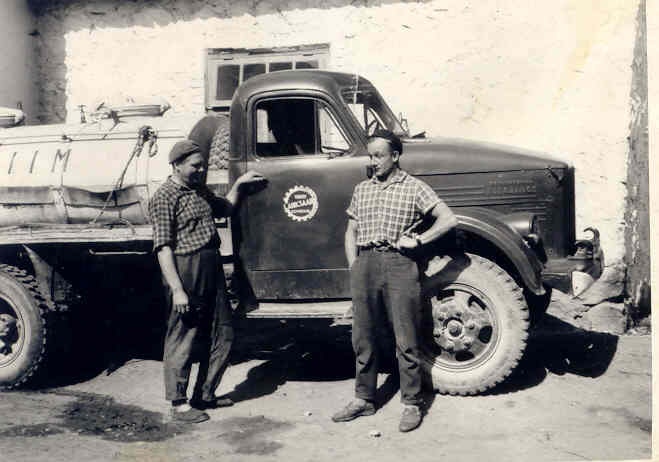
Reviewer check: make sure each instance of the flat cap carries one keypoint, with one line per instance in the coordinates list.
(183, 149)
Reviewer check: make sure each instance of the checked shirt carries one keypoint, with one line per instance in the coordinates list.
(384, 210)
(182, 218)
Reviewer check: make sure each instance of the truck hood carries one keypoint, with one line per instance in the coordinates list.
(454, 155)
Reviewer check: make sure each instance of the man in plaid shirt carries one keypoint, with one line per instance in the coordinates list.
(384, 278)
(187, 245)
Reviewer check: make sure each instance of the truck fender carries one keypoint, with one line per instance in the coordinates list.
(44, 274)
(490, 226)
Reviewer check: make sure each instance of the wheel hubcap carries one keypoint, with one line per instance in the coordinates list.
(464, 327)
(454, 328)
(11, 328)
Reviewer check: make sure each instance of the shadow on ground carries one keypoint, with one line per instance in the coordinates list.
(293, 350)
(313, 351)
(101, 335)
(303, 350)
(557, 347)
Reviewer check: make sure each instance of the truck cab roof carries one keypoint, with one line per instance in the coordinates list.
(304, 79)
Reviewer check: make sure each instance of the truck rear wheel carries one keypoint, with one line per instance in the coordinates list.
(23, 327)
(479, 324)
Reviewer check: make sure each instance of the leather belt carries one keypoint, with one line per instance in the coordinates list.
(380, 247)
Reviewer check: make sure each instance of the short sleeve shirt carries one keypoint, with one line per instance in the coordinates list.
(182, 218)
(385, 210)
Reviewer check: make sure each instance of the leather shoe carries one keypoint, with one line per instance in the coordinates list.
(353, 410)
(410, 419)
(214, 403)
(190, 415)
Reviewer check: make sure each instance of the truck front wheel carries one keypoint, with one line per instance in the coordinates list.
(475, 327)
(22, 327)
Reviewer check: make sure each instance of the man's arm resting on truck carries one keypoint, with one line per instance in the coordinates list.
(169, 272)
(233, 196)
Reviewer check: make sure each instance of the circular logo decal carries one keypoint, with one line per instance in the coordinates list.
(300, 203)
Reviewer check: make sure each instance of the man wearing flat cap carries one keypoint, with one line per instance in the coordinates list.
(186, 243)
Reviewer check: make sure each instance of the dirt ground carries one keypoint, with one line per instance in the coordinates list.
(578, 395)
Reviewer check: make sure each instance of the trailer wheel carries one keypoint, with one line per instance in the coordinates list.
(475, 327)
(23, 327)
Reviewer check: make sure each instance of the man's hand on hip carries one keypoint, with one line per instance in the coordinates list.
(407, 242)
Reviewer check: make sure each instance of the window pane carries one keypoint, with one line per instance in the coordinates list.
(331, 137)
(373, 122)
(263, 133)
(250, 70)
(280, 66)
(358, 111)
(227, 80)
(306, 65)
(285, 127)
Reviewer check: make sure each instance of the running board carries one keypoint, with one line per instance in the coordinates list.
(292, 309)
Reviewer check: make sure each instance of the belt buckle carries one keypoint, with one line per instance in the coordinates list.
(384, 247)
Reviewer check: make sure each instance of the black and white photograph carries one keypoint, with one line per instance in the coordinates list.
(320, 230)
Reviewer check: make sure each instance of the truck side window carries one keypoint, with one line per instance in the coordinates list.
(285, 127)
(296, 126)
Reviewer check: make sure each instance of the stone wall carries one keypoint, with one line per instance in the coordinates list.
(17, 63)
(553, 75)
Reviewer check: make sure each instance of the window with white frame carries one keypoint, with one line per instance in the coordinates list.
(227, 68)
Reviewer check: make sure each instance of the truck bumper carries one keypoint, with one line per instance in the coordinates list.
(575, 273)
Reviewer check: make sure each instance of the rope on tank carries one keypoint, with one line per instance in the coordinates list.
(145, 134)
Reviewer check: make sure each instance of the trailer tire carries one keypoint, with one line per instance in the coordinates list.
(475, 325)
(23, 327)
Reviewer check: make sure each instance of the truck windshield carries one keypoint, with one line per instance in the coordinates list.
(370, 110)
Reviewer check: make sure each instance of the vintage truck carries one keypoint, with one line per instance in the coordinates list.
(73, 201)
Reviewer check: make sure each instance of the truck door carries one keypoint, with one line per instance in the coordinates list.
(293, 230)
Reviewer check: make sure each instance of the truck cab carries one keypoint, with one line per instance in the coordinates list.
(306, 131)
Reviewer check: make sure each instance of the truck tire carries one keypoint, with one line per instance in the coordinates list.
(479, 324)
(23, 327)
(538, 305)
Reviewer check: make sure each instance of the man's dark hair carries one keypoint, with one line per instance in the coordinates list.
(394, 141)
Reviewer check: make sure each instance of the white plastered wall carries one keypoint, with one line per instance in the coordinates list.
(17, 63)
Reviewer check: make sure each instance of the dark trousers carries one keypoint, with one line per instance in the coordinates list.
(386, 284)
(204, 334)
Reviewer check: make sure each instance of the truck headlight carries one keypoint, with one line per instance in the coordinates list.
(525, 224)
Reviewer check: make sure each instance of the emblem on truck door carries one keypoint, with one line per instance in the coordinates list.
(300, 203)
